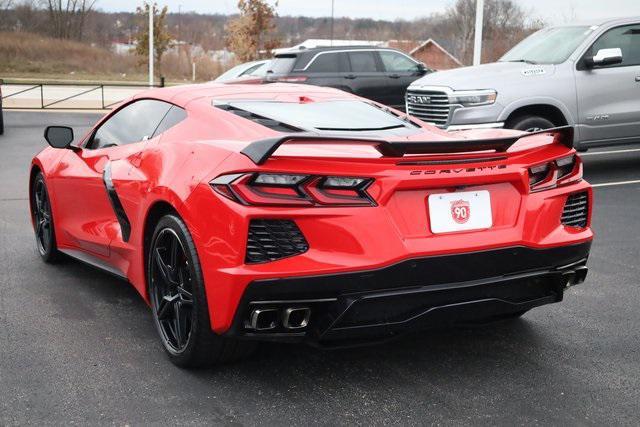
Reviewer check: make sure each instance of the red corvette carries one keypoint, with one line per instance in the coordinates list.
(297, 213)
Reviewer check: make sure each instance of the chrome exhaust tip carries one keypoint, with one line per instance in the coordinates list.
(296, 317)
(264, 319)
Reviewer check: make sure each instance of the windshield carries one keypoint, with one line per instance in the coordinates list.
(327, 116)
(282, 64)
(239, 70)
(548, 46)
(257, 70)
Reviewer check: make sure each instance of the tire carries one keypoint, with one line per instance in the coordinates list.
(179, 303)
(1, 121)
(42, 217)
(530, 123)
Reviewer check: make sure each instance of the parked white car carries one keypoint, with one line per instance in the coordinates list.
(248, 69)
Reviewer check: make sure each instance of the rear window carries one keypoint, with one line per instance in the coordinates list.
(339, 115)
(326, 63)
(363, 62)
(282, 64)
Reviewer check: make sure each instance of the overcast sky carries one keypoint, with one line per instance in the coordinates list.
(553, 11)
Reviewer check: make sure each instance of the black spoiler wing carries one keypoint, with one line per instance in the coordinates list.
(260, 151)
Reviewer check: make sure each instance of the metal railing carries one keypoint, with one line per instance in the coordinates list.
(40, 95)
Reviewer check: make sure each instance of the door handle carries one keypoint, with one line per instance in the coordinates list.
(394, 76)
(350, 76)
(638, 78)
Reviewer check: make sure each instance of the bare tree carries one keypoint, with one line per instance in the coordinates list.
(67, 17)
(251, 35)
(505, 24)
(5, 5)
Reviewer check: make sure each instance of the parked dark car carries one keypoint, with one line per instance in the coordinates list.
(380, 74)
(1, 117)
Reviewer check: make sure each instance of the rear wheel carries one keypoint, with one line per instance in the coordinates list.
(530, 123)
(43, 220)
(1, 122)
(178, 300)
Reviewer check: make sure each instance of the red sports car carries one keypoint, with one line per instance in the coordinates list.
(297, 213)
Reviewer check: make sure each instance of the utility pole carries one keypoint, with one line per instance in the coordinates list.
(477, 41)
(179, 22)
(150, 44)
(332, 5)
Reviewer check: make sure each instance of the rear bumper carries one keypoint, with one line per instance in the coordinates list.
(413, 294)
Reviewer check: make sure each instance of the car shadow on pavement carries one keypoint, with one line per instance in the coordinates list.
(79, 291)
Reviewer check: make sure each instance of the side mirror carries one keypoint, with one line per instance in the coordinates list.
(422, 68)
(59, 136)
(605, 57)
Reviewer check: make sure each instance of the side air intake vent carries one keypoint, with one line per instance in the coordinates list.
(273, 239)
(264, 121)
(576, 210)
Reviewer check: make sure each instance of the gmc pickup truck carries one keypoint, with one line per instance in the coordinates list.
(584, 75)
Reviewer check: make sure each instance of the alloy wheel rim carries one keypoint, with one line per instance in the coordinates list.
(171, 290)
(42, 217)
(534, 129)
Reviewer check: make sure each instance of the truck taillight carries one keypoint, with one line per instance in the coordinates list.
(562, 171)
(276, 189)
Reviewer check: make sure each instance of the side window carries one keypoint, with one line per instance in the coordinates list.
(172, 118)
(325, 63)
(135, 122)
(626, 38)
(363, 62)
(395, 62)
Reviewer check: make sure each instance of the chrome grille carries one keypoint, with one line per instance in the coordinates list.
(576, 210)
(429, 106)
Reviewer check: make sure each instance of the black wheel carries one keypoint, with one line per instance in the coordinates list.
(43, 220)
(530, 123)
(1, 122)
(179, 303)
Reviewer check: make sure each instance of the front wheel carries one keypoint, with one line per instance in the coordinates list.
(530, 123)
(42, 218)
(179, 303)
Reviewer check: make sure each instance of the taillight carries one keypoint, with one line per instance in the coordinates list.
(564, 170)
(566, 166)
(275, 189)
(538, 174)
(292, 79)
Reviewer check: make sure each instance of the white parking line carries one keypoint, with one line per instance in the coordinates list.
(611, 184)
(600, 153)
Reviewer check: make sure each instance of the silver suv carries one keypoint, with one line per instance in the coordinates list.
(587, 76)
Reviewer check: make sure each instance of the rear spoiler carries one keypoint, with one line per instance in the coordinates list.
(260, 151)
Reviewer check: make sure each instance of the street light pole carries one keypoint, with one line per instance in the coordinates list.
(151, 44)
(332, 4)
(477, 42)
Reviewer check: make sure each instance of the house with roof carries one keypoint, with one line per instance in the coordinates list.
(429, 51)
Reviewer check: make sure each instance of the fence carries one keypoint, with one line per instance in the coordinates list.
(67, 96)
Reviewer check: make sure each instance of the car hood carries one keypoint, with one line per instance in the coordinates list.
(485, 76)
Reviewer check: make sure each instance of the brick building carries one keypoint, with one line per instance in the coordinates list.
(429, 52)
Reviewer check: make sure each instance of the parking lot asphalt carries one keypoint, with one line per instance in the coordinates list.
(78, 346)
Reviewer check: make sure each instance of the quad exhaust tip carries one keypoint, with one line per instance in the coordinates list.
(264, 319)
(292, 318)
(576, 276)
(296, 318)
